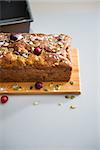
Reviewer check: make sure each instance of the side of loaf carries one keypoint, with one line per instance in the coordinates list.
(26, 57)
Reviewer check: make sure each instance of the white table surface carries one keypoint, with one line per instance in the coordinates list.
(48, 126)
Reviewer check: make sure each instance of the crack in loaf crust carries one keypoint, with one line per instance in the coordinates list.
(35, 57)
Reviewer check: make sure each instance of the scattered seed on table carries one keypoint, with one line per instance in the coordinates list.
(35, 103)
(70, 96)
(60, 104)
(66, 96)
(73, 107)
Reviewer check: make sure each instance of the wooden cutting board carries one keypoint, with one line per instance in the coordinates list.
(71, 87)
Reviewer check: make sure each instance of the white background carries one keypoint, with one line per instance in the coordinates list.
(49, 126)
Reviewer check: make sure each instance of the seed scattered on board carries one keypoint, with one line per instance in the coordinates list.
(16, 87)
(71, 82)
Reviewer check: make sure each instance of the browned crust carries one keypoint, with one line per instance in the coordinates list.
(30, 75)
(16, 55)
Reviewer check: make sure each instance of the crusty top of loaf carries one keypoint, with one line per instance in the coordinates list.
(19, 53)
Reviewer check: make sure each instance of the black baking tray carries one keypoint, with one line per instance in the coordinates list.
(15, 16)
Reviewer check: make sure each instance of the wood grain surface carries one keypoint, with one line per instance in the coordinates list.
(71, 87)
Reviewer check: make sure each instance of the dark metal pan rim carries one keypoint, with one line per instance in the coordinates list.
(14, 22)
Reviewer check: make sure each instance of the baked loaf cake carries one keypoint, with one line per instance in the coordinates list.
(34, 57)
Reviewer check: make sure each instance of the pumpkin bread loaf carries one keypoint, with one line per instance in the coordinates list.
(26, 57)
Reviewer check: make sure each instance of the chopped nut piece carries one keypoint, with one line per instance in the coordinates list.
(56, 63)
(61, 44)
(1, 55)
(6, 44)
(2, 42)
(25, 55)
(32, 49)
(50, 39)
(30, 42)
